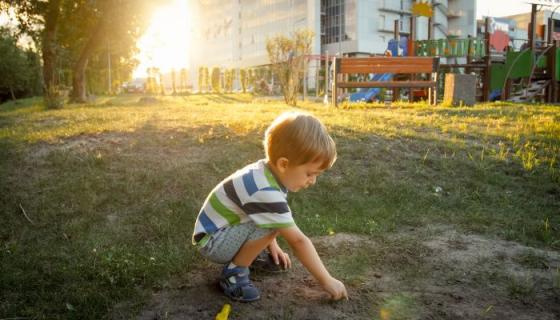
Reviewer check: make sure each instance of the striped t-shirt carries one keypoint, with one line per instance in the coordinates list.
(250, 194)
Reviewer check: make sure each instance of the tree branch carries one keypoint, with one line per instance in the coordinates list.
(25, 214)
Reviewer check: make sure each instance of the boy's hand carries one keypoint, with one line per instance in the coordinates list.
(305, 251)
(335, 288)
(279, 256)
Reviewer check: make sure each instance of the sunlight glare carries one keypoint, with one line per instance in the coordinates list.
(165, 44)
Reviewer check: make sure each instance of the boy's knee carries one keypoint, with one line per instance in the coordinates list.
(265, 234)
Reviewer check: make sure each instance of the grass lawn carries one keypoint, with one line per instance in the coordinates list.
(98, 201)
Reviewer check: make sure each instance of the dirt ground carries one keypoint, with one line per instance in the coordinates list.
(429, 273)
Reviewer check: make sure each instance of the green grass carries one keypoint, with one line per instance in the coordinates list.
(113, 188)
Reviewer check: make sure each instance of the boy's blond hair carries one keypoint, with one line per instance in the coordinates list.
(301, 138)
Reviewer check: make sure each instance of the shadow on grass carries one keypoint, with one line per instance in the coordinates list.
(506, 112)
(226, 98)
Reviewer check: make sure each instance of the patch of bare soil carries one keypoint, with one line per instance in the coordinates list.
(290, 295)
(161, 147)
(440, 274)
(79, 144)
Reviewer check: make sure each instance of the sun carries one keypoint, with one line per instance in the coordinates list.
(165, 44)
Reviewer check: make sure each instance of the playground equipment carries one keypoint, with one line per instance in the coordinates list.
(367, 95)
(394, 48)
(528, 75)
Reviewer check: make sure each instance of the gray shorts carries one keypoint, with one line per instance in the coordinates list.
(224, 244)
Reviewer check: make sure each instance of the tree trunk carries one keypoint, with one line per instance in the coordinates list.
(79, 80)
(79, 70)
(48, 47)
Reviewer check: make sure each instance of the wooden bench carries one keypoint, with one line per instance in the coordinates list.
(410, 66)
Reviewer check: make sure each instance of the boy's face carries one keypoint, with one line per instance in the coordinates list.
(299, 177)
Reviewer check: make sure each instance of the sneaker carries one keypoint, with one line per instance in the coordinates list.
(237, 286)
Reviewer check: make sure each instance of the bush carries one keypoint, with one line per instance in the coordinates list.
(202, 79)
(20, 70)
(54, 97)
(216, 80)
(229, 76)
(243, 79)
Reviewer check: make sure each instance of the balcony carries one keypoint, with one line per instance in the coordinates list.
(391, 31)
(455, 33)
(395, 9)
(455, 13)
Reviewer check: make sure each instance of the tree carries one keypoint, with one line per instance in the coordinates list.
(152, 82)
(288, 57)
(161, 84)
(216, 80)
(80, 28)
(39, 20)
(201, 80)
(174, 81)
(229, 75)
(87, 26)
(15, 67)
(51, 14)
(243, 78)
(206, 78)
(12, 66)
(183, 80)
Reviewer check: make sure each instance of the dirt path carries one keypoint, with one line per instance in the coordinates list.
(433, 273)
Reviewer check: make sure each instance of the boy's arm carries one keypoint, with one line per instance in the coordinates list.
(305, 251)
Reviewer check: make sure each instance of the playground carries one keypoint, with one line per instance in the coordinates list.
(492, 68)
(443, 203)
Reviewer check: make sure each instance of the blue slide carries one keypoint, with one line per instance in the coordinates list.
(368, 94)
(397, 48)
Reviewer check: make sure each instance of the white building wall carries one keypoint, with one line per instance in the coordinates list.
(233, 34)
(463, 20)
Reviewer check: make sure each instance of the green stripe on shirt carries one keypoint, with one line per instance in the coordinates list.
(271, 179)
(231, 217)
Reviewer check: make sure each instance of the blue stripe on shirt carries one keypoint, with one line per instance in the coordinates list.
(268, 189)
(208, 225)
(249, 183)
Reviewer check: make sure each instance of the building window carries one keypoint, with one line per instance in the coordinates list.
(338, 21)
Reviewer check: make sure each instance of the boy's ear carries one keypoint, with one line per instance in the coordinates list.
(282, 164)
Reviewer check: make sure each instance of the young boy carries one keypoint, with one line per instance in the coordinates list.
(245, 213)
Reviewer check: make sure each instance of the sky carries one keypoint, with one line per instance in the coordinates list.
(499, 8)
